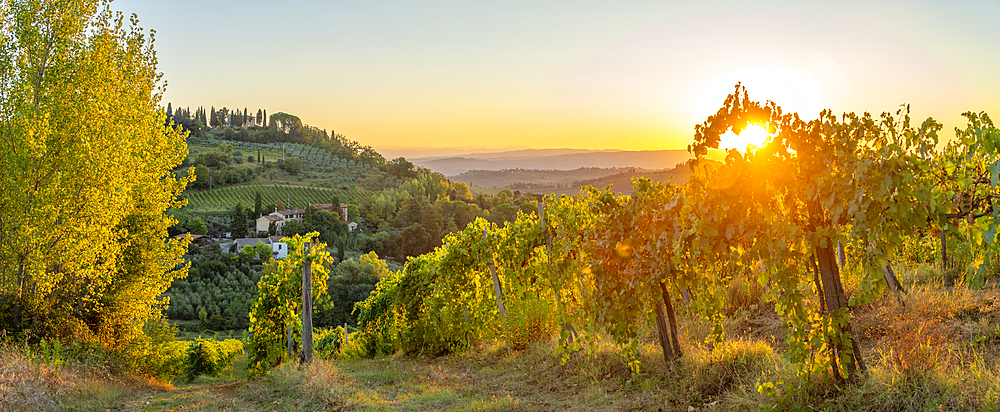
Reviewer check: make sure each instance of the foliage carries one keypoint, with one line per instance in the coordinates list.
(378, 323)
(968, 177)
(210, 357)
(350, 282)
(274, 316)
(223, 287)
(87, 159)
(813, 184)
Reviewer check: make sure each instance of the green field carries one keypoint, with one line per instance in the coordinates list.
(294, 197)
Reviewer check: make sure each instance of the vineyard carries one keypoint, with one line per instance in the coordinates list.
(818, 221)
(294, 197)
(313, 159)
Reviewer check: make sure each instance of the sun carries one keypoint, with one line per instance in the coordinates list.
(752, 135)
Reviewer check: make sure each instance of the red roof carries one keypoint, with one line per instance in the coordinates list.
(184, 235)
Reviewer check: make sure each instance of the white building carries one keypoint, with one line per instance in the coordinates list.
(279, 218)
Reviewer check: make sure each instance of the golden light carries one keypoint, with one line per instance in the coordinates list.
(753, 135)
(794, 89)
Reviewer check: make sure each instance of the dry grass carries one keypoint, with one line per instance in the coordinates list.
(29, 385)
(938, 352)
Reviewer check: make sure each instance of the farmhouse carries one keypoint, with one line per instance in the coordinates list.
(279, 249)
(263, 223)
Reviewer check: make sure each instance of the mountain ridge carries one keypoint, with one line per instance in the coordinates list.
(560, 159)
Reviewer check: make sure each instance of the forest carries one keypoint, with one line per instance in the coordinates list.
(849, 262)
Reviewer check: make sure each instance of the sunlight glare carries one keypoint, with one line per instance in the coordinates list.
(752, 135)
(793, 89)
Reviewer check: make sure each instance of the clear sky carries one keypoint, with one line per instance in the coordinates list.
(636, 75)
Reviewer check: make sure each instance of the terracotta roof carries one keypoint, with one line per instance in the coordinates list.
(327, 205)
(184, 235)
(271, 217)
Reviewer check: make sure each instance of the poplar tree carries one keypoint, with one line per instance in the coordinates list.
(87, 158)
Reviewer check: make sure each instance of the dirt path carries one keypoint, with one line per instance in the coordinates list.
(196, 397)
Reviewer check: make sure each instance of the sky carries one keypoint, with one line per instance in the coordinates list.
(444, 77)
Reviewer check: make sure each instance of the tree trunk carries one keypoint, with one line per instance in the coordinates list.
(661, 331)
(497, 290)
(291, 343)
(841, 256)
(944, 249)
(893, 282)
(307, 336)
(672, 318)
(836, 299)
(819, 285)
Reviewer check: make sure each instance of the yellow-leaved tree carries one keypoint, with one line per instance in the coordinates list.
(87, 175)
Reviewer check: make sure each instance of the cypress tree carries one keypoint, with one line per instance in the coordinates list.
(238, 222)
(257, 206)
(336, 206)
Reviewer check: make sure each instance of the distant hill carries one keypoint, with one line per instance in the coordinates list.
(622, 182)
(565, 181)
(555, 159)
(531, 180)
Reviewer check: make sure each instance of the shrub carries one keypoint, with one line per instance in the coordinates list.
(210, 357)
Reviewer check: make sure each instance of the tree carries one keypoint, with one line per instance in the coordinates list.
(336, 206)
(257, 206)
(202, 176)
(293, 165)
(274, 316)
(816, 183)
(504, 212)
(293, 227)
(260, 116)
(238, 222)
(87, 159)
(197, 226)
(288, 124)
(214, 118)
(263, 251)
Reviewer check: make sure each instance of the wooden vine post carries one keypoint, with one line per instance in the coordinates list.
(307, 323)
(497, 290)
